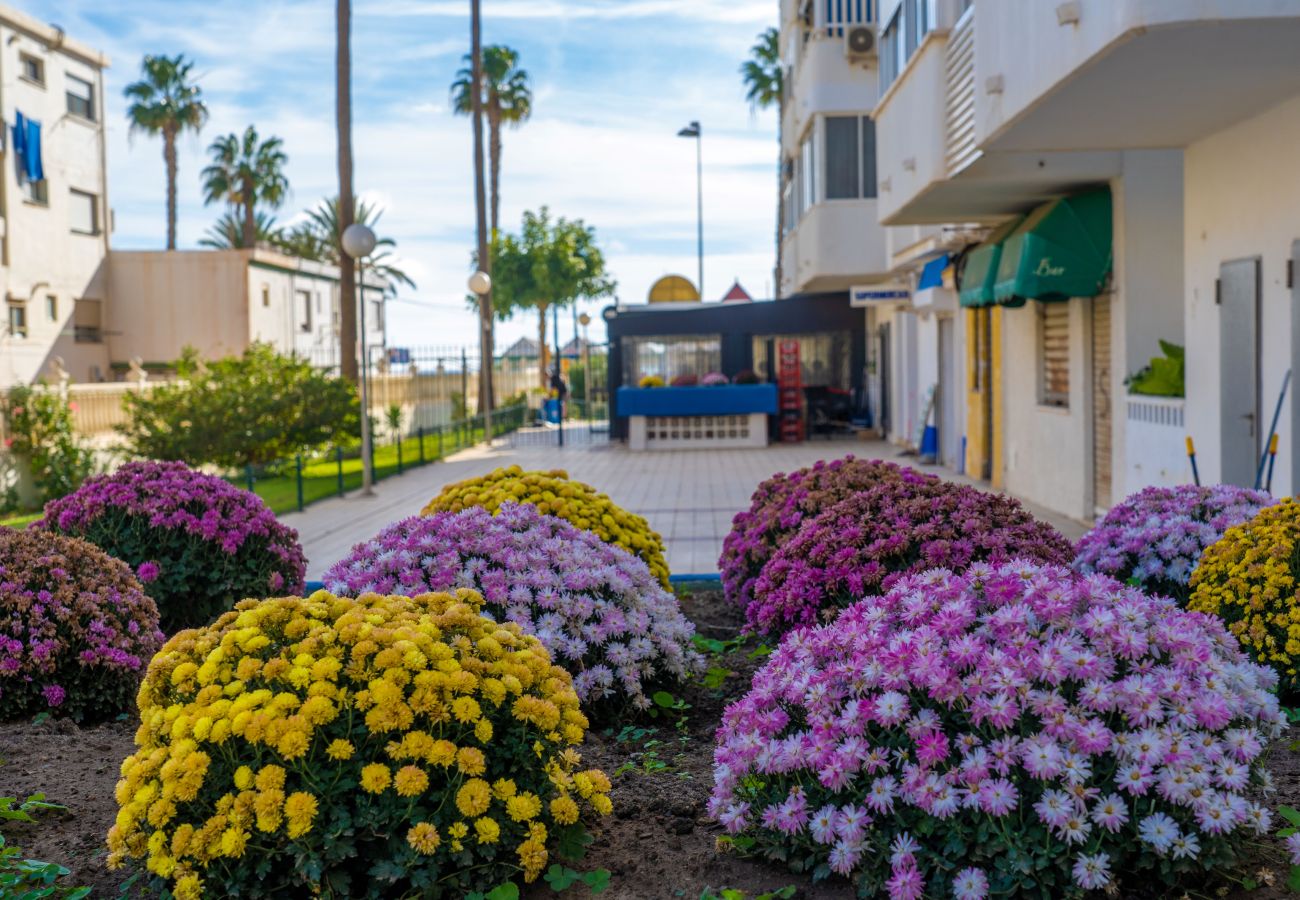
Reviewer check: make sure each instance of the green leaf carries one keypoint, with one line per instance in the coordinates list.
(572, 841)
(597, 881)
(1291, 814)
(560, 877)
(1293, 880)
(664, 699)
(507, 891)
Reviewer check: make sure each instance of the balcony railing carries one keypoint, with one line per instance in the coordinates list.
(959, 113)
(87, 334)
(834, 17)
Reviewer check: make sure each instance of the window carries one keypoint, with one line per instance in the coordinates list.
(377, 315)
(52, 308)
(808, 172)
(17, 319)
(842, 171)
(1054, 354)
(670, 356)
(891, 50)
(83, 213)
(87, 323)
(304, 303)
(81, 97)
(35, 192)
(850, 158)
(909, 25)
(266, 295)
(32, 69)
(868, 157)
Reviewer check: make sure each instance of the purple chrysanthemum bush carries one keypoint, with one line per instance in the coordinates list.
(596, 607)
(1154, 538)
(781, 503)
(76, 630)
(199, 543)
(1013, 730)
(896, 526)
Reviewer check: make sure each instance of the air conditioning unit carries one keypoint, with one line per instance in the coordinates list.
(860, 43)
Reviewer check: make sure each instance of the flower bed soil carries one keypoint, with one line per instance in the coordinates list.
(657, 844)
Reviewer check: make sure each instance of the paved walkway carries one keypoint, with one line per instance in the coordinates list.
(689, 497)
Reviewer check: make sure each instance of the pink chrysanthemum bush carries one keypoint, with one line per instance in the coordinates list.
(863, 544)
(594, 606)
(199, 544)
(781, 503)
(1154, 538)
(1019, 730)
(76, 630)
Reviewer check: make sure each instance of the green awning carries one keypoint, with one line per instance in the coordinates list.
(1061, 250)
(981, 269)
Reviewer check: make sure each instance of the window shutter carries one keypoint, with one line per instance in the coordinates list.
(1054, 331)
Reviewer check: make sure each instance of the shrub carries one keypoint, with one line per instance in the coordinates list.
(198, 542)
(376, 747)
(555, 494)
(650, 381)
(1043, 732)
(781, 503)
(1154, 539)
(863, 544)
(76, 630)
(1249, 579)
(595, 607)
(37, 422)
(241, 410)
(714, 379)
(686, 379)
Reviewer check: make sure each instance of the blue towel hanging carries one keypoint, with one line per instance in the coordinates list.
(35, 170)
(20, 144)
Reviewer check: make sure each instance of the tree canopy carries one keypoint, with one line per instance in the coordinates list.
(551, 261)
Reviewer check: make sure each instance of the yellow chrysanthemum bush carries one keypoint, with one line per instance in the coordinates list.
(555, 494)
(369, 747)
(1251, 579)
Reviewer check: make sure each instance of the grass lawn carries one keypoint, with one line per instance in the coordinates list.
(19, 520)
(321, 476)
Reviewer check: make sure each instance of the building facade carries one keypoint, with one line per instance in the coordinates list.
(221, 301)
(1145, 142)
(54, 214)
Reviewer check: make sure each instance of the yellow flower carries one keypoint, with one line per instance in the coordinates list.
(340, 749)
(188, 888)
(488, 831)
(504, 789)
(270, 778)
(300, 810)
(243, 778)
(410, 780)
(465, 709)
(470, 760)
(523, 807)
(602, 804)
(423, 838)
(267, 806)
(293, 745)
(375, 778)
(564, 810)
(233, 842)
(473, 798)
(483, 730)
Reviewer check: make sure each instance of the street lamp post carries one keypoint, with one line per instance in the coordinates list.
(480, 285)
(359, 242)
(585, 320)
(693, 130)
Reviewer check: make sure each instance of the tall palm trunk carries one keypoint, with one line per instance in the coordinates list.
(542, 351)
(494, 162)
(480, 208)
(169, 158)
(250, 215)
(347, 205)
(780, 196)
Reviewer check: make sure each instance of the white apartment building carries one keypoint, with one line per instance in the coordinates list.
(54, 229)
(1182, 119)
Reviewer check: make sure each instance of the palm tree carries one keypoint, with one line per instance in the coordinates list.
(165, 101)
(765, 87)
(507, 100)
(486, 354)
(316, 239)
(245, 172)
(343, 121)
(227, 233)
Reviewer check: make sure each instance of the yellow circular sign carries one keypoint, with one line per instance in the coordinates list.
(674, 289)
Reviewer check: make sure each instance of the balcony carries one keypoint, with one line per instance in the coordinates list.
(837, 244)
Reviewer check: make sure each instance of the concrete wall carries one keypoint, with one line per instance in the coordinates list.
(1047, 451)
(911, 130)
(1242, 188)
(40, 255)
(837, 244)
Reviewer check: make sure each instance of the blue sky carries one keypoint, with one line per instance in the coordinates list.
(613, 80)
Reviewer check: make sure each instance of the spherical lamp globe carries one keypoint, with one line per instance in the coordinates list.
(480, 282)
(358, 241)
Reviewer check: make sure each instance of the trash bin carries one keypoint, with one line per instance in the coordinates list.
(551, 411)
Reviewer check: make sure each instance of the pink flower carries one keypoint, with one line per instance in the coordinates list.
(54, 695)
(147, 571)
(1293, 847)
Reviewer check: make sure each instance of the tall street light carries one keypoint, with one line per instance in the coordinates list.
(358, 243)
(480, 285)
(693, 131)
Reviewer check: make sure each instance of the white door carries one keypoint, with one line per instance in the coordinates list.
(1238, 301)
(949, 391)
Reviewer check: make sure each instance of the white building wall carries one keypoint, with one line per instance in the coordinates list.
(40, 255)
(1047, 458)
(1242, 196)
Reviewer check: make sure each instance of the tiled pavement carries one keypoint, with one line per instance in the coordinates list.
(688, 496)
